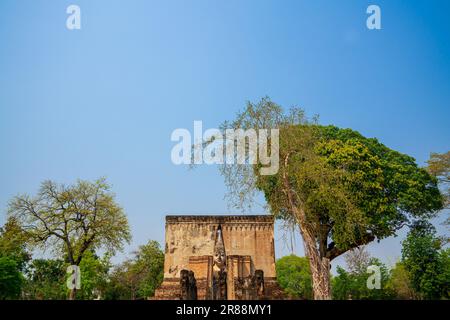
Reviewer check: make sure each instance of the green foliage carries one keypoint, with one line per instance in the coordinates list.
(149, 266)
(355, 186)
(349, 285)
(13, 241)
(384, 184)
(400, 283)
(11, 279)
(137, 278)
(426, 263)
(294, 276)
(13, 258)
(46, 280)
(94, 276)
(444, 276)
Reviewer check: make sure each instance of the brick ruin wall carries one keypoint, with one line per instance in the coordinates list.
(190, 241)
(188, 236)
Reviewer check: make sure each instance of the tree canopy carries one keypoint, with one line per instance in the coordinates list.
(72, 219)
(342, 189)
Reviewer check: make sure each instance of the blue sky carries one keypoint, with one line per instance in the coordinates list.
(103, 100)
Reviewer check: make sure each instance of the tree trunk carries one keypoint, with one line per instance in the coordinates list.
(320, 272)
(319, 266)
(72, 294)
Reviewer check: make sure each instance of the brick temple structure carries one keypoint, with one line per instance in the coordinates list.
(219, 258)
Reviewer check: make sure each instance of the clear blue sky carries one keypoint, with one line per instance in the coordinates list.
(103, 100)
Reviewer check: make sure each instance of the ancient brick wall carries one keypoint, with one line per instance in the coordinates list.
(244, 235)
(198, 244)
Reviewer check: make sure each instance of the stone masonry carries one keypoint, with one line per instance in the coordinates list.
(219, 258)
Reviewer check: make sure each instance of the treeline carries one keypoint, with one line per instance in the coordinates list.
(73, 223)
(22, 277)
(423, 272)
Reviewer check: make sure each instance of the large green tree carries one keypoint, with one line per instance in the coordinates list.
(13, 243)
(294, 276)
(342, 189)
(427, 264)
(72, 219)
(14, 256)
